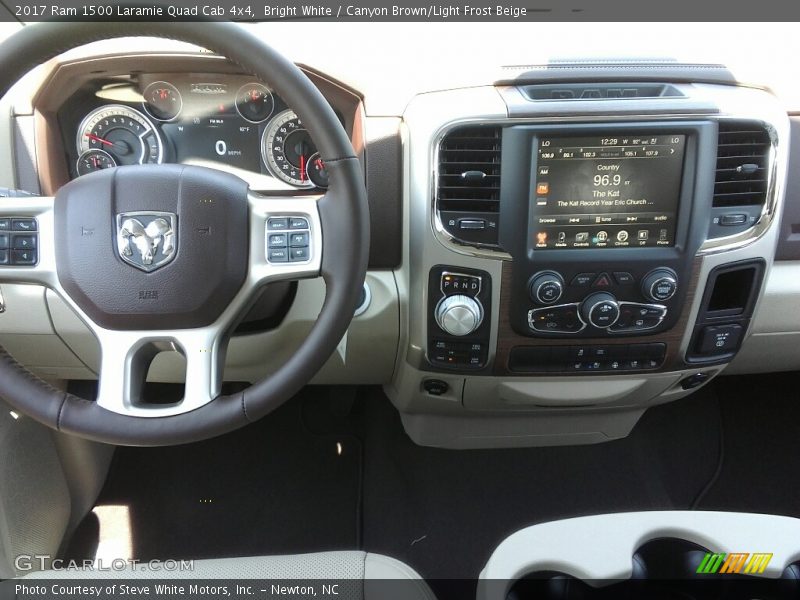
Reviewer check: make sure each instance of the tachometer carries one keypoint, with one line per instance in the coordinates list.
(287, 149)
(124, 133)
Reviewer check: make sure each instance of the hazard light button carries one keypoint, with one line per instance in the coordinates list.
(603, 281)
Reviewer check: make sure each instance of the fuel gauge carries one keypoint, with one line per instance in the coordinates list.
(95, 160)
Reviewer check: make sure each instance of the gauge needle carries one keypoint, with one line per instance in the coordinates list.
(302, 168)
(95, 138)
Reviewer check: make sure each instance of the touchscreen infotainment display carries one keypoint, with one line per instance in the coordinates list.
(606, 191)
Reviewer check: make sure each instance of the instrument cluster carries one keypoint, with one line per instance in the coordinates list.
(230, 122)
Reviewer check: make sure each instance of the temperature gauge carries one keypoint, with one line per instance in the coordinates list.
(95, 160)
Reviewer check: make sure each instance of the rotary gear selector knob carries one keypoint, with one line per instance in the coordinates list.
(600, 310)
(660, 284)
(459, 315)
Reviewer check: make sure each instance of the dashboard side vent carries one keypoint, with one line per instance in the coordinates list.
(742, 165)
(468, 186)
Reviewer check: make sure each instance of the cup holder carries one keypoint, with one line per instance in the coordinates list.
(662, 569)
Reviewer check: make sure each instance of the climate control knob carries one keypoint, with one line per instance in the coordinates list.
(660, 284)
(546, 287)
(600, 310)
(459, 314)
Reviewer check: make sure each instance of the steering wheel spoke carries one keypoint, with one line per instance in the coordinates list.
(285, 238)
(126, 359)
(27, 240)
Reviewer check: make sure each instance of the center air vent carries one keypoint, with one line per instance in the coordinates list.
(468, 190)
(740, 187)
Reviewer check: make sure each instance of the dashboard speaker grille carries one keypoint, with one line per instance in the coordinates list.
(742, 162)
(469, 170)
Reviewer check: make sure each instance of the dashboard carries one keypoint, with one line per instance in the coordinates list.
(553, 250)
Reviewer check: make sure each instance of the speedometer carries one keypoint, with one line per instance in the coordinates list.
(287, 150)
(124, 133)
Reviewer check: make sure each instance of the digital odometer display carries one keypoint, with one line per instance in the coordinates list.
(606, 191)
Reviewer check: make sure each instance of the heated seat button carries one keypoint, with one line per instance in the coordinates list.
(720, 339)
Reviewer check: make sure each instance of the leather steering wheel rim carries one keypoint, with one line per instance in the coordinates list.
(342, 209)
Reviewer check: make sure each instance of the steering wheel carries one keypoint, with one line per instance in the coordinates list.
(162, 257)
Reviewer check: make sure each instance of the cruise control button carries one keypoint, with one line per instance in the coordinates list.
(298, 223)
(275, 224)
(23, 257)
(298, 239)
(278, 255)
(23, 224)
(277, 240)
(298, 254)
(23, 242)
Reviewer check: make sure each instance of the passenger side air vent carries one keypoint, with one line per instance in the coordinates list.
(740, 187)
(742, 157)
(468, 184)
